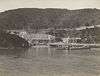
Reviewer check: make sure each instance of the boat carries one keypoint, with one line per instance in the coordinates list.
(58, 45)
(78, 46)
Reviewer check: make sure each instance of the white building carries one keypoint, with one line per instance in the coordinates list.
(71, 40)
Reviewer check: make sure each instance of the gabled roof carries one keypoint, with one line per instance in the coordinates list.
(84, 27)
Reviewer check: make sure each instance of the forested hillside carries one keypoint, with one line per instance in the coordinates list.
(48, 18)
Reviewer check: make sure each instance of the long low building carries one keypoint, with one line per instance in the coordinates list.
(39, 38)
(31, 37)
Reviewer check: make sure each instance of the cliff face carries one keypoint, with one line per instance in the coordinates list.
(12, 41)
(48, 18)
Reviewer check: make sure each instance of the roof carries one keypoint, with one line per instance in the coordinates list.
(39, 36)
(84, 27)
(16, 30)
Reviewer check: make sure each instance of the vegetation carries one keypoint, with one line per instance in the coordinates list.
(48, 18)
(12, 40)
(33, 18)
(97, 33)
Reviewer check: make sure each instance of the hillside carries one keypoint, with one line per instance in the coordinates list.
(48, 18)
(8, 40)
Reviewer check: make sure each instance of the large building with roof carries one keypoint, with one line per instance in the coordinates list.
(33, 38)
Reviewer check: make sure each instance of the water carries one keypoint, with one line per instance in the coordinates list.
(44, 61)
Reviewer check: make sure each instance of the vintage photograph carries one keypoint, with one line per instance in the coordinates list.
(49, 37)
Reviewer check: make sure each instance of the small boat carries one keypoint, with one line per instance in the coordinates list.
(58, 45)
(61, 48)
(79, 47)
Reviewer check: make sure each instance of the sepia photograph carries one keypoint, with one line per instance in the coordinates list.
(49, 37)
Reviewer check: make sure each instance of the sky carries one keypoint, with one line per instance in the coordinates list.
(67, 4)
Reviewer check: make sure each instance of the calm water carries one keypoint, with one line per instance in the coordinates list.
(49, 62)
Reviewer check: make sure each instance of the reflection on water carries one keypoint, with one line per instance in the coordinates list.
(45, 52)
(44, 61)
(13, 52)
(33, 52)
